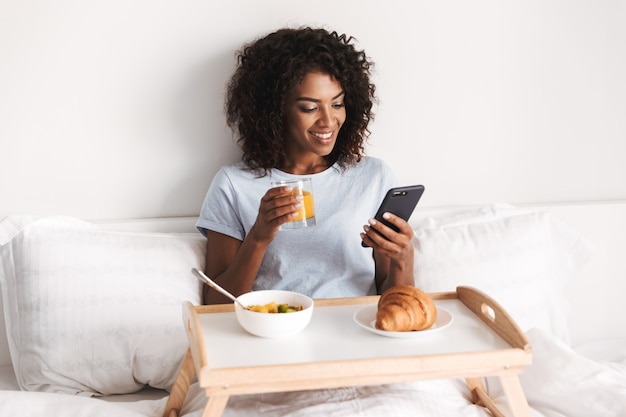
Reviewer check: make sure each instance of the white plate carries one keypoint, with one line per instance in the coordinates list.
(366, 318)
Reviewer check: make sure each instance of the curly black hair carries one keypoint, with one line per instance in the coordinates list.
(270, 67)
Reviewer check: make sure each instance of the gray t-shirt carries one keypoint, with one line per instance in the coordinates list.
(323, 261)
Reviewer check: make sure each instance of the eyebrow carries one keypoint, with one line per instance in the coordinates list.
(315, 100)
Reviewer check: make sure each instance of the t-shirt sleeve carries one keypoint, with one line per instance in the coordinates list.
(218, 212)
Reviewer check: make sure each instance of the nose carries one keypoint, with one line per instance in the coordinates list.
(325, 117)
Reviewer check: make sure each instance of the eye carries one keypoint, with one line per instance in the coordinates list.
(308, 109)
(339, 105)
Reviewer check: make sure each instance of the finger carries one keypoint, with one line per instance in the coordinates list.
(272, 193)
(375, 233)
(402, 226)
(277, 197)
(381, 228)
(394, 220)
(384, 236)
(282, 209)
(279, 205)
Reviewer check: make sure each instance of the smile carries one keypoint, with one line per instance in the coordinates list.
(322, 135)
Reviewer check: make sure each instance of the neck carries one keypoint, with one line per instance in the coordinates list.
(304, 168)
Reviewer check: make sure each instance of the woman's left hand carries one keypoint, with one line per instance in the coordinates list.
(393, 251)
(395, 245)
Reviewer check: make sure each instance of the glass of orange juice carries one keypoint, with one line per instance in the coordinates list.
(306, 214)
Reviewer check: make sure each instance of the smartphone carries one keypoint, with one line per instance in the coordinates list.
(400, 201)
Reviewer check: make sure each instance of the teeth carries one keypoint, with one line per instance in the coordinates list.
(322, 135)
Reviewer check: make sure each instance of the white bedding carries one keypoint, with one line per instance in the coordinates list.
(560, 383)
(587, 381)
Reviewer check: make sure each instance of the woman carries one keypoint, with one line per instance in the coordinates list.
(300, 102)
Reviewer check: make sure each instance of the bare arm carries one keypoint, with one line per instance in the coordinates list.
(231, 263)
(394, 256)
(234, 264)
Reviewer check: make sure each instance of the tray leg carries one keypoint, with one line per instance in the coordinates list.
(515, 395)
(180, 388)
(215, 406)
(480, 396)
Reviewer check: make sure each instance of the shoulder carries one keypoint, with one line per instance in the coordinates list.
(238, 168)
(229, 178)
(367, 172)
(374, 161)
(377, 171)
(374, 165)
(235, 172)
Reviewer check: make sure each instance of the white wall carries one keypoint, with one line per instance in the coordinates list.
(113, 108)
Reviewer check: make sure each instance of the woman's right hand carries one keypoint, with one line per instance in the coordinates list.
(277, 206)
(234, 264)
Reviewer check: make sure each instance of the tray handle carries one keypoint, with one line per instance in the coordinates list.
(492, 314)
(191, 321)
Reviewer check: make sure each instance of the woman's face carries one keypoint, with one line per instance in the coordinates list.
(315, 112)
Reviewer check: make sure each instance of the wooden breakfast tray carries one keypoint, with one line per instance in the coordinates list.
(334, 351)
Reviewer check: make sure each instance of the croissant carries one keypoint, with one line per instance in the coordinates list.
(405, 308)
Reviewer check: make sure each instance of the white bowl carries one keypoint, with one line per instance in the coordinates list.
(274, 324)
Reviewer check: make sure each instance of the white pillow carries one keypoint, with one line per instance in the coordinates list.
(523, 259)
(95, 311)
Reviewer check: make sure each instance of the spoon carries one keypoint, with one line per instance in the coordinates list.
(202, 277)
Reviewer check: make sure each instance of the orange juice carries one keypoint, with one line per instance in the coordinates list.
(307, 210)
(305, 216)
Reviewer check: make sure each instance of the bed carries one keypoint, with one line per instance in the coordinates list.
(112, 110)
(92, 313)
